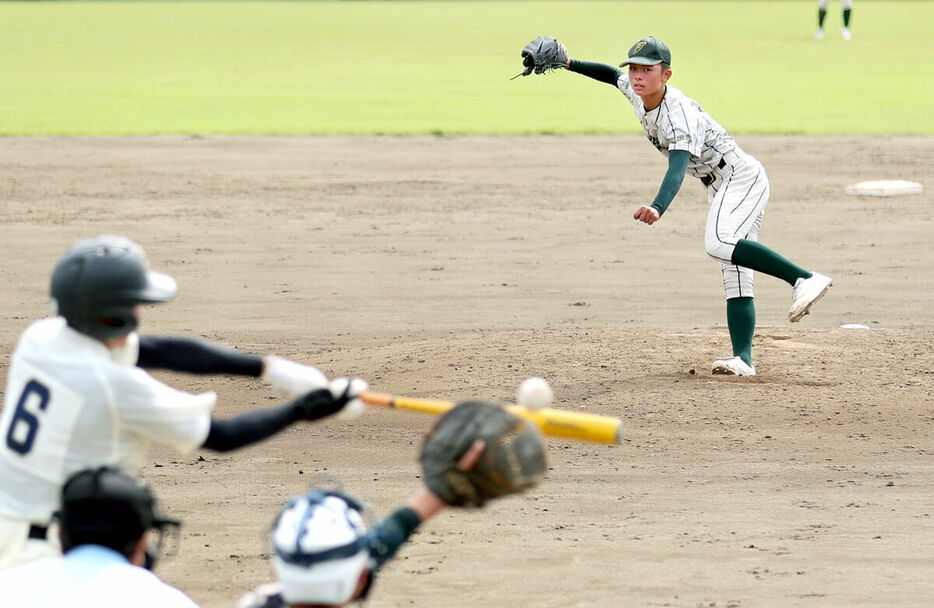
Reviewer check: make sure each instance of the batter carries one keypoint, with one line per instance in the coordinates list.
(78, 394)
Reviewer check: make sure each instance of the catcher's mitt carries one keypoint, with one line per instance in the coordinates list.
(543, 54)
(514, 458)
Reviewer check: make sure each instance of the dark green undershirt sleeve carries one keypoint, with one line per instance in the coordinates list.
(597, 71)
(391, 533)
(677, 168)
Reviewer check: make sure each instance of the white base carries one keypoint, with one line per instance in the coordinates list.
(885, 187)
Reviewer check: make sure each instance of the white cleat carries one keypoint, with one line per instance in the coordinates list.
(846, 33)
(819, 35)
(805, 293)
(732, 366)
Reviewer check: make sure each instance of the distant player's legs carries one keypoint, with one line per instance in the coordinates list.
(821, 14)
(847, 11)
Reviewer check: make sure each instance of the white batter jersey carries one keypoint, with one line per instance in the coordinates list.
(69, 406)
(87, 576)
(679, 123)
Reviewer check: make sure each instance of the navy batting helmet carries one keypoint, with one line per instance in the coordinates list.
(97, 283)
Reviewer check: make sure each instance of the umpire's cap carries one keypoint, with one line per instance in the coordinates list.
(105, 507)
(648, 51)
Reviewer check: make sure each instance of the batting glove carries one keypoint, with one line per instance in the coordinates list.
(350, 389)
(341, 396)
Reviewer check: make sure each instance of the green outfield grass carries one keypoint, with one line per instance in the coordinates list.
(444, 67)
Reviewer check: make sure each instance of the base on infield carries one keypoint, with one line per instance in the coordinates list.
(884, 187)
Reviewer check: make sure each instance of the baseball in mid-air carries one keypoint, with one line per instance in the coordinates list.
(534, 393)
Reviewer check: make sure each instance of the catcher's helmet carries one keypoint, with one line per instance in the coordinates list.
(105, 507)
(321, 548)
(98, 281)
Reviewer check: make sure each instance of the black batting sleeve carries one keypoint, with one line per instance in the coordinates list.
(249, 428)
(195, 356)
(597, 71)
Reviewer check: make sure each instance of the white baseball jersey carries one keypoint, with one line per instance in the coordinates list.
(737, 185)
(679, 123)
(88, 575)
(69, 406)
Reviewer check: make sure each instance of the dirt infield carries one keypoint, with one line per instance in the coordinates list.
(455, 267)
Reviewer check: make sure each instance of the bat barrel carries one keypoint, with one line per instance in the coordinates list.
(572, 425)
(556, 423)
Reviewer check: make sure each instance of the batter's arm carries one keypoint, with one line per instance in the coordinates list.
(195, 356)
(247, 429)
(252, 427)
(597, 71)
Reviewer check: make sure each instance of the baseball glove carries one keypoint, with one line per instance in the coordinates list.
(513, 461)
(543, 54)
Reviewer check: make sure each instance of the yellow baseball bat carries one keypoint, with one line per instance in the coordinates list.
(557, 423)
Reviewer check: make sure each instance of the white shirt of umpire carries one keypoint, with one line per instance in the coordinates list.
(68, 406)
(739, 188)
(88, 575)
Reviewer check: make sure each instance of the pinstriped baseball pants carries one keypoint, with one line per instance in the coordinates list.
(737, 201)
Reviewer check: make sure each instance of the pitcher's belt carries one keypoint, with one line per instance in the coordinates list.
(708, 179)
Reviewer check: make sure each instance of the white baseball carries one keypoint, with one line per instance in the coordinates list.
(534, 393)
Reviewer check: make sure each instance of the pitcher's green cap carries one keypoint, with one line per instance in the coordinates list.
(648, 51)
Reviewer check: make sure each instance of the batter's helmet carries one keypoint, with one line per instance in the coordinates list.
(106, 507)
(321, 548)
(98, 281)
